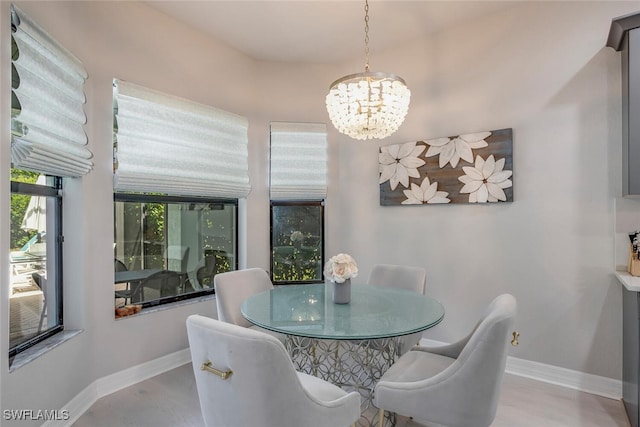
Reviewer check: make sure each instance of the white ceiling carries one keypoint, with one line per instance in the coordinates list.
(322, 31)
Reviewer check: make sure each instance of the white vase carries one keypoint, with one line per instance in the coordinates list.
(342, 292)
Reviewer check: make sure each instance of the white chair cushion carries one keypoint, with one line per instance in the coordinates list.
(320, 389)
(416, 366)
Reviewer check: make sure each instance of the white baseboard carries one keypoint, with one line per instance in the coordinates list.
(114, 382)
(576, 380)
(588, 383)
(135, 374)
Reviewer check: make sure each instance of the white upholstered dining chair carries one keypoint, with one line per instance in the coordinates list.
(405, 277)
(457, 385)
(233, 287)
(245, 378)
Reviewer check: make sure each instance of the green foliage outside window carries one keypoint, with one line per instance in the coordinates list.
(154, 234)
(147, 223)
(297, 243)
(19, 203)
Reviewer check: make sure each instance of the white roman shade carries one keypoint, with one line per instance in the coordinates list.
(47, 133)
(298, 161)
(170, 145)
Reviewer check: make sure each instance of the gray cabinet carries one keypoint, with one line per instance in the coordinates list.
(630, 353)
(624, 36)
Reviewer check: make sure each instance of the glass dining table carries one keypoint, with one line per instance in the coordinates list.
(350, 345)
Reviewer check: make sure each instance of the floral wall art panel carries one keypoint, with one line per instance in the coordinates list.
(469, 168)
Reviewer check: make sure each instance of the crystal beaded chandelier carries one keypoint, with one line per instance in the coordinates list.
(370, 104)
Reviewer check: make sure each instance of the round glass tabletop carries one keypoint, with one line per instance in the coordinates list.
(374, 312)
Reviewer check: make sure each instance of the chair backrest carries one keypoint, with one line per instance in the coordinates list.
(119, 265)
(167, 282)
(233, 287)
(263, 388)
(481, 363)
(399, 276)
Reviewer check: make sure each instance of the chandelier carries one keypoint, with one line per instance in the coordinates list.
(370, 104)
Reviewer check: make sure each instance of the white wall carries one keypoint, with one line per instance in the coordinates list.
(130, 41)
(543, 70)
(539, 68)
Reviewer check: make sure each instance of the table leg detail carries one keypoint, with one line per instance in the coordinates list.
(354, 365)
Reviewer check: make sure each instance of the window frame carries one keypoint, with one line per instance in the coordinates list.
(55, 191)
(277, 203)
(164, 198)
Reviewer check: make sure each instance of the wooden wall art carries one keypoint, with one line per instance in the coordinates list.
(471, 168)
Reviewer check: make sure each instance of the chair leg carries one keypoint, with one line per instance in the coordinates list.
(42, 314)
(380, 417)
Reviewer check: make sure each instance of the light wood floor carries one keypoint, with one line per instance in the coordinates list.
(171, 400)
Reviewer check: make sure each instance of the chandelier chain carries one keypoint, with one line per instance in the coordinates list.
(368, 105)
(366, 35)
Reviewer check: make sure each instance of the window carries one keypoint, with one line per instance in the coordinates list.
(298, 186)
(179, 169)
(35, 299)
(297, 241)
(168, 248)
(48, 143)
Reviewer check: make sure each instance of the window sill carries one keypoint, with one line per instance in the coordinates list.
(162, 307)
(32, 353)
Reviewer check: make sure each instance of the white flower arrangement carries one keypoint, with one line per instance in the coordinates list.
(340, 268)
